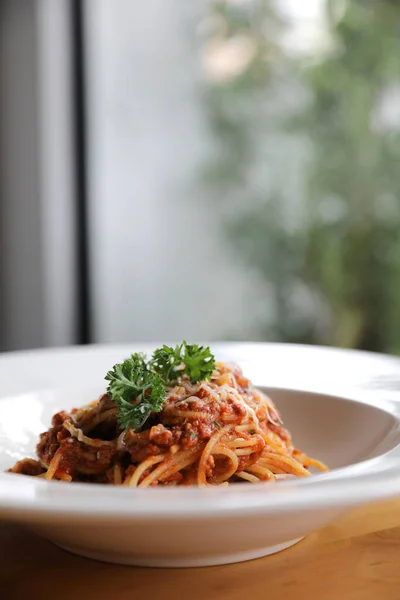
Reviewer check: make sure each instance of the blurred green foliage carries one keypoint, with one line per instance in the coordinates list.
(332, 263)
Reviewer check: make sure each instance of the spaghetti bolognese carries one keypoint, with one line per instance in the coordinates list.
(180, 419)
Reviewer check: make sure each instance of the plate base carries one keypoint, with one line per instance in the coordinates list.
(179, 562)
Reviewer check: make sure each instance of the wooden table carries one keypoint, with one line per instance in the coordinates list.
(356, 558)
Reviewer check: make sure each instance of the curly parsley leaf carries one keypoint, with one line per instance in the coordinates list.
(136, 391)
(199, 362)
(165, 361)
(192, 360)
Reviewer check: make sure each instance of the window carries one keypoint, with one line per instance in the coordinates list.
(239, 172)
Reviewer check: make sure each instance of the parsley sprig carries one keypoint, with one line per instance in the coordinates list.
(138, 387)
(192, 360)
(136, 391)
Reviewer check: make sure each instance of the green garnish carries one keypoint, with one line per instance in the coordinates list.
(138, 387)
(217, 425)
(136, 391)
(192, 360)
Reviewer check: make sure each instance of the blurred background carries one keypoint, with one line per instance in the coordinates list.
(211, 170)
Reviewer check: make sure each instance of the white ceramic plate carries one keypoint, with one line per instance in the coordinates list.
(341, 407)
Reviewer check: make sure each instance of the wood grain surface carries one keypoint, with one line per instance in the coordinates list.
(356, 558)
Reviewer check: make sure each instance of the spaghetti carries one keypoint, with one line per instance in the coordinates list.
(214, 432)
